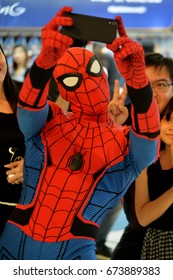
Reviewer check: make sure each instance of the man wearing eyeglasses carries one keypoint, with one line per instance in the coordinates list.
(159, 69)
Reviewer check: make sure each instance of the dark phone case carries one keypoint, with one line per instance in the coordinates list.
(91, 28)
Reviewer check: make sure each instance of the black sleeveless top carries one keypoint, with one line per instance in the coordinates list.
(11, 149)
(160, 181)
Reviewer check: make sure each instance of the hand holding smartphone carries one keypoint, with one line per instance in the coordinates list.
(91, 28)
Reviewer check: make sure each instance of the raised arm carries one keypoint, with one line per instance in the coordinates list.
(129, 58)
(33, 107)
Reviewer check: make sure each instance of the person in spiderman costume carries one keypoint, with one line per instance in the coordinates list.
(77, 166)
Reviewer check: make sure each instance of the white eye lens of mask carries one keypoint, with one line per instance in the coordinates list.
(95, 68)
(71, 81)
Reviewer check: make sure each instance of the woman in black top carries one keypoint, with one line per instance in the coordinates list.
(11, 144)
(154, 196)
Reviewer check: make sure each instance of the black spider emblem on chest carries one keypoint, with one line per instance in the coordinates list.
(76, 161)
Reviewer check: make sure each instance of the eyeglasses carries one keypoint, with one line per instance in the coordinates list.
(161, 86)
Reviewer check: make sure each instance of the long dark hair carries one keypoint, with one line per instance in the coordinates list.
(167, 115)
(168, 110)
(10, 88)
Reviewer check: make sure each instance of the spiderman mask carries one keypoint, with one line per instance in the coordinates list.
(82, 81)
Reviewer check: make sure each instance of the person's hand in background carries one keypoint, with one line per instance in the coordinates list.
(15, 172)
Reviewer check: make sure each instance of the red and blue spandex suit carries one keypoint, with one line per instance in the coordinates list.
(77, 167)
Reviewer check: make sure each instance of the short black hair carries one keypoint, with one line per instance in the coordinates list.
(158, 61)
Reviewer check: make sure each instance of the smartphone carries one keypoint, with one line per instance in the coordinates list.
(91, 28)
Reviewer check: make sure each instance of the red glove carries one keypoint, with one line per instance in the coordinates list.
(54, 44)
(129, 58)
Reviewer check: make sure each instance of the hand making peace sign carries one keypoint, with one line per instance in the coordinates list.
(117, 110)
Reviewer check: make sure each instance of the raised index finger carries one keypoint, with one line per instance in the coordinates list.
(121, 28)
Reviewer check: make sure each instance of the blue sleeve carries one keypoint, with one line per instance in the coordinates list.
(143, 150)
(31, 122)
